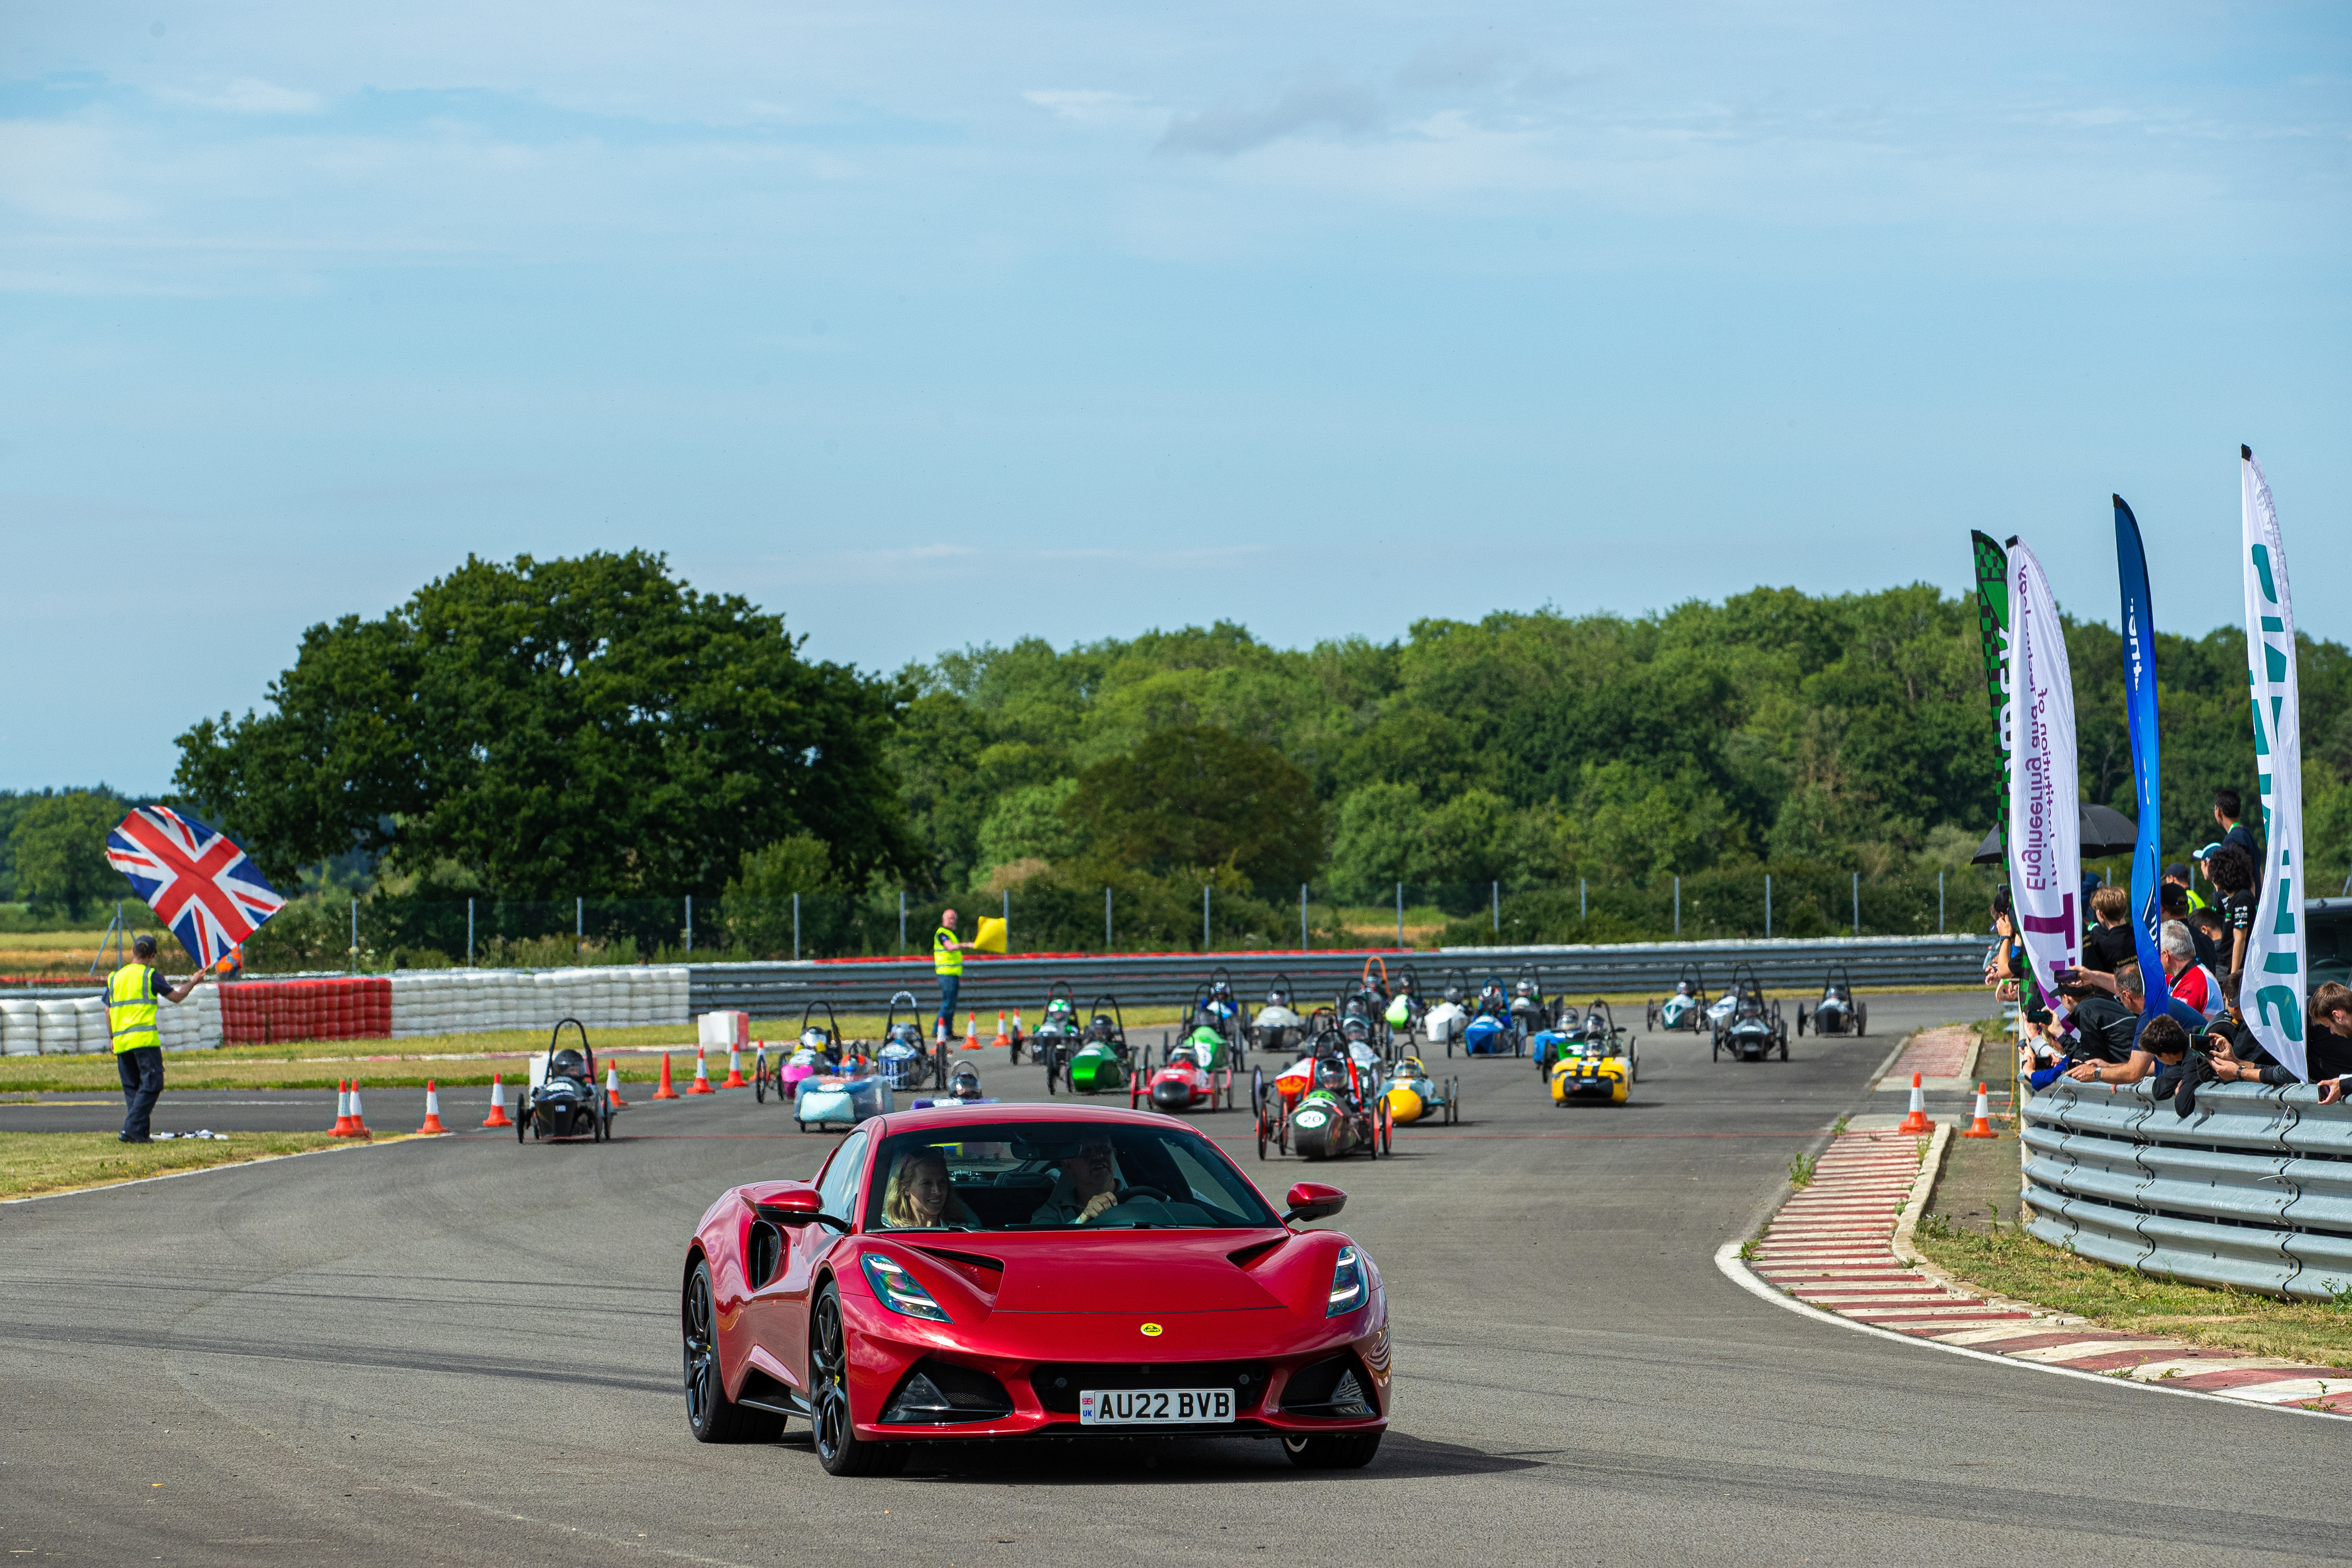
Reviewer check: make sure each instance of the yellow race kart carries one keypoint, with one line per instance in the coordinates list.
(1598, 1069)
(1414, 1095)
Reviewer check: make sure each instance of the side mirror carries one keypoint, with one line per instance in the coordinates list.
(1314, 1200)
(800, 1207)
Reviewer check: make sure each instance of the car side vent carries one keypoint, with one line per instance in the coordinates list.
(1242, 1258)
(766, 1250)
(940, 1393)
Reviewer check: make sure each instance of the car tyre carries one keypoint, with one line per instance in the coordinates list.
(1339, 1451)
(839, 1449)
(711, 1416)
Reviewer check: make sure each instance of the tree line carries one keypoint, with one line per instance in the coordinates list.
(596, 728)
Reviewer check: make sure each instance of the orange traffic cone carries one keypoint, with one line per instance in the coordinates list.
(358, 1117)
(665, 1091)
(1980, 1127)
(343, 1128)
(497, 1116)
(433, 1127)
(613, 1085)
(1003, 1038)
(1916, 1122)
(972, 1031)
(701, 1084)
(734, 1071)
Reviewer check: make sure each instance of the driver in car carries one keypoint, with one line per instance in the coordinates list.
(1089, 1186)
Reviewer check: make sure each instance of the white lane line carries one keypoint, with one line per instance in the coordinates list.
(1726, 1262)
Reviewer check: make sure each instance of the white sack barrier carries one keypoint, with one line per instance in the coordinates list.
(481, 1001)
(20, 1027)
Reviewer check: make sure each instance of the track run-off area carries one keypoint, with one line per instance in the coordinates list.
(464, 1350)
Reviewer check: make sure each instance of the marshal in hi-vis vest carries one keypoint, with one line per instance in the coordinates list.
(131, 1007)
(946, 957)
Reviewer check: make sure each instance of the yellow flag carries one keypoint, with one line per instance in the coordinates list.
(991, 938)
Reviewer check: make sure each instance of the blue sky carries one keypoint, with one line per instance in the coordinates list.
(930, 324)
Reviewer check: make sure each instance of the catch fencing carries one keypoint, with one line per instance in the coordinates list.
(1160, 979)
(2254, 1189)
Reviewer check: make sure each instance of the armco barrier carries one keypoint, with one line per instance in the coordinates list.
(867, 985)
(2254, 1189)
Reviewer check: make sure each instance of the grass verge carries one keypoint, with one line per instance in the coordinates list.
(2012, 1263)
(33, 1162)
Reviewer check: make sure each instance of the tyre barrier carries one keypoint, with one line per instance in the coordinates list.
(2254, 1190)
(781, 990)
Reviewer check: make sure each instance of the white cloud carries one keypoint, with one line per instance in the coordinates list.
(1087, 105)
(250, 95)
(1229, 129)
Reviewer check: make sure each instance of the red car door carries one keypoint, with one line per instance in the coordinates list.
(778, 1311)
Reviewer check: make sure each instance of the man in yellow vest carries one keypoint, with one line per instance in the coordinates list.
(946, 958)
(131, 995)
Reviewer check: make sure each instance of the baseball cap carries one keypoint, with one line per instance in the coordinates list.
(2207, 853)
(2177, 869)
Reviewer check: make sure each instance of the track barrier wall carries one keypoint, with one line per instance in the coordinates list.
(270, 1010)
(2254, 1190)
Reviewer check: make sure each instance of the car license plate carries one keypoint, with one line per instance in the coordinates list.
(1145, 1407)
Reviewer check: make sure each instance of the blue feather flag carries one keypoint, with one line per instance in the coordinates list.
(2139, 707)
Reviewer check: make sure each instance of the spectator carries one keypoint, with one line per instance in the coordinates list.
(2236, 1056)
(2110, 942)
(2327, 1044)
(2161, 1050)
(2005, 959)
(2177, 911)
(2232, 873)
(2190, 981)
(2210, 930)
(2227, 809)
(2111, 1012)
(2177, 875)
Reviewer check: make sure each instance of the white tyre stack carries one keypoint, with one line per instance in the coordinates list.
(20, 1027)
(90, 1030)
(58, 1027)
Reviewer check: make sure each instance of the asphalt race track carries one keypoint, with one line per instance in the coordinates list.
(464, 1351)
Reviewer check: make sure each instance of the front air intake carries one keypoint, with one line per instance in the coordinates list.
(1332, 1389)
(941, 1393)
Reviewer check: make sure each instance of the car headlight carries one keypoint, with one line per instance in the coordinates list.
(898, 1290)
(1347, 1283)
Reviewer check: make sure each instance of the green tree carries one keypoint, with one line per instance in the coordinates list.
(1195, 796)
(576, 726)
(757, 907)
(58, 849)
(1029, 824)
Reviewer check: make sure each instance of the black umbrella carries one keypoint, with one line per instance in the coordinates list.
(2105, 832)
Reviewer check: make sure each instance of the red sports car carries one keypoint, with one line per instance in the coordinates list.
(1013, 1271)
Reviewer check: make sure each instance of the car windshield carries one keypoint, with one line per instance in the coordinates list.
(1058, 1175)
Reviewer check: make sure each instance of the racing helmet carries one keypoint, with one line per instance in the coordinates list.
(567, 1063)
(1356, 1029)
(965, 1083)
(1330, 1072)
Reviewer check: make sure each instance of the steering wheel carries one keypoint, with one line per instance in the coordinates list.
(1128, 1193)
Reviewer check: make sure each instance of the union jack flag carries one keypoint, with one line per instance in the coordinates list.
(199, 883)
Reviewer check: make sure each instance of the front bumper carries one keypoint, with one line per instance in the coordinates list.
(1274, 1346)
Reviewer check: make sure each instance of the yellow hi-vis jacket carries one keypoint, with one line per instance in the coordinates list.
(946, 958)
(131, 1007)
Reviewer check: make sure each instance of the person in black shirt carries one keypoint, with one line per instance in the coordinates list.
(2232, 873)
(2177, 908)
(2227, 809)
(2327, 1044)
(2110, 942)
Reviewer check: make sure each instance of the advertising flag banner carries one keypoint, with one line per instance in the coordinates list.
(2272, 988)
(2139, 707)
(199, 885)
(1992, 563)
(2046, 827)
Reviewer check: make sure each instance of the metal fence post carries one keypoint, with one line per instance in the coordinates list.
(689, 923)
(796, 928)
(1678, 906)
(1584, 908)
(1302, 917)
(1008, 920)
(1939, 903)
(902, 920)
(1498, 909)
(469, 933)
(1857, 903)
(355, 935)
(1768, 904)
(1204, 920)
(1105, 920)
(1400, 915)
(579, 925)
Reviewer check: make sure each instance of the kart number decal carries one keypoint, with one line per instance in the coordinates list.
(1130, 1407)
